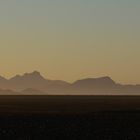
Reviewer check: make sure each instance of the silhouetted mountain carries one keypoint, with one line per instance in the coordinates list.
(34, 76)
(95, 82)
(102, 85)
(28, 80)
(32, 80)
(35, 83)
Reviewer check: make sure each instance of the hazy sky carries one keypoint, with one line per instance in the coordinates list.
(71, 39)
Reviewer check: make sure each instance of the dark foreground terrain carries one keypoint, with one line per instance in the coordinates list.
(30, 104)
(69, 117)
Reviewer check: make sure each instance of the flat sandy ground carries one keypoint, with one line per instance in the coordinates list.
(70, 117)
(67, 104)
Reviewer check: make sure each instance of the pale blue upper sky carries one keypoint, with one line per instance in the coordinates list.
(94, 37)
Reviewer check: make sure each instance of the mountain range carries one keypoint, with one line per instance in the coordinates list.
(35, 84)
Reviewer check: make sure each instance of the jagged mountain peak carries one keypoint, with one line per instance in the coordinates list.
(35, 75)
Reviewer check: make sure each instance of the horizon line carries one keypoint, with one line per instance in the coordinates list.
(36, 71)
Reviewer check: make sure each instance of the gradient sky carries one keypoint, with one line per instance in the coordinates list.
(71, 39)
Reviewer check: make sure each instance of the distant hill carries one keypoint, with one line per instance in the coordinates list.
(95, 82)
(35, 83)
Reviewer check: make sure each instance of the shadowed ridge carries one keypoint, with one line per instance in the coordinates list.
(15, 78)
(2, 78)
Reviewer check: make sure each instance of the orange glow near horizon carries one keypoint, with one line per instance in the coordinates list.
(94, 39)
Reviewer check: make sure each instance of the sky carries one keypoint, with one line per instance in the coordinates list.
(71, 39)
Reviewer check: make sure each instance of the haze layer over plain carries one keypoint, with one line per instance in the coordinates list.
(71, 39)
